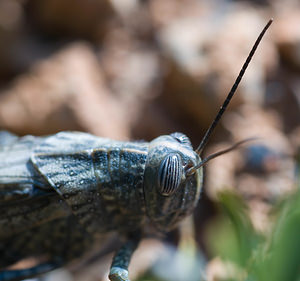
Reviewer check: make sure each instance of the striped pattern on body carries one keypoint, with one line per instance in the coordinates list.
(100, 179)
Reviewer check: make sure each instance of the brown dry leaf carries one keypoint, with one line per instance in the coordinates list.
(87, 19)
(64, 92)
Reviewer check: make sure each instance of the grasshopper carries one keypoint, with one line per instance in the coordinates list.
(62, 195)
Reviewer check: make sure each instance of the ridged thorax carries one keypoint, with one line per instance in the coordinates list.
(101, 180)
(119, 170)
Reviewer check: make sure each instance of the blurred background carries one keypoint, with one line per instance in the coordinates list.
(129, 69)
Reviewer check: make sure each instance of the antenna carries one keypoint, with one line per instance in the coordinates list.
(193, 169)
(232, 91)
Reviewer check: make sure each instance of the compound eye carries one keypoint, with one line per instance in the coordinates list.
(170, 174)
(181, 138)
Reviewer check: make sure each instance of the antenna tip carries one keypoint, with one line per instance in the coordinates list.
(270, 22)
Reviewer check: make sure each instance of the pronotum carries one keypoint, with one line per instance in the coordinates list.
(61, 195)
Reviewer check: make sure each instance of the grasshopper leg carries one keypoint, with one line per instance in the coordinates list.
(119, 267)
(20, 274)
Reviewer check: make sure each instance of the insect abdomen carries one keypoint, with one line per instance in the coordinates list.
(60, 239)
(26, 198)
(17, 176)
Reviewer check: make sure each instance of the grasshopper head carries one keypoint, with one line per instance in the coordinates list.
(173, 173)
(171, 193)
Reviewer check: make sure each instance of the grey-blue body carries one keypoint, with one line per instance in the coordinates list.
(61, 195)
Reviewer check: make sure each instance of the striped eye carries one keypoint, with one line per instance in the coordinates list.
(170, 174)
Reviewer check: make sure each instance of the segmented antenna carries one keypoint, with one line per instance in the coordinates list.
(232, 91)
